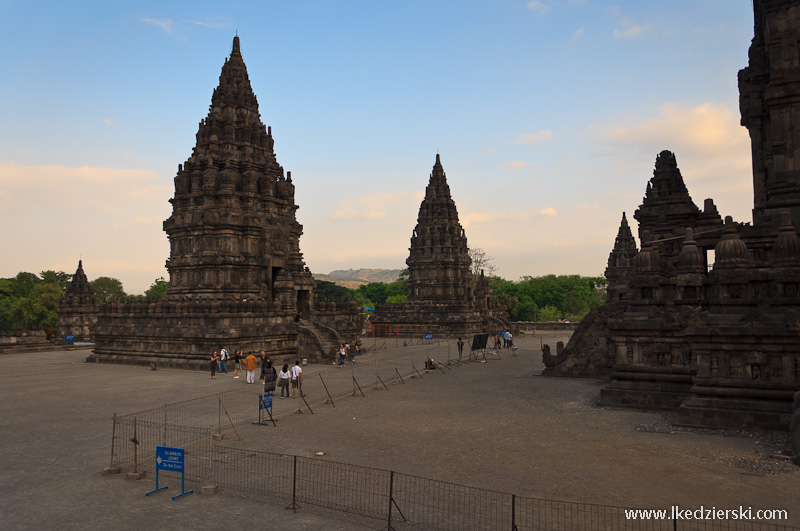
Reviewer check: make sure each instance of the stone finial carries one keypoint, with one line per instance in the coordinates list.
(730, 251)
(690, 259)
(786, 250)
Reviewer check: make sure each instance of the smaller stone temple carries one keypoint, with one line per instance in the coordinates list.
(237, 276)
(705, 317)
(443, 295)
(78, 309)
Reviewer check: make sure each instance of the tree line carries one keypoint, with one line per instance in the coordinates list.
(29, 301)
(545, 298)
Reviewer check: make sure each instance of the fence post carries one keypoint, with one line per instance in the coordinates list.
(165, 423)
(135, 449)
(513, 512)
(293, 506)
(113, 441)
(391, 493)
(219, 413)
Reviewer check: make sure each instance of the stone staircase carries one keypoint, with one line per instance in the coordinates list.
(318, 342)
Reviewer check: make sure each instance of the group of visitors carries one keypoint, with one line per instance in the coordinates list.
(221, 356)
(505, 338)
(284, 379)
(269, 377)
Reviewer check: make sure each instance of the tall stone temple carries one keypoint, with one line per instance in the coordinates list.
(77, 310)
(705, 317)
(237, 276)
(443, 296)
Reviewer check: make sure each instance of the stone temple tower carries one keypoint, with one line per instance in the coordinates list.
(233, 231)
(768, 100)
(237, 277)
(77, 309)
(438, 261)
(443, 297)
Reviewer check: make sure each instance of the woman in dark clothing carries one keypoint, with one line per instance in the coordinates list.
(264, 360)
(270, 376)
(214, 363)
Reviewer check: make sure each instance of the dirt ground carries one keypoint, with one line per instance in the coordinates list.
(499, 425)
(494, 425)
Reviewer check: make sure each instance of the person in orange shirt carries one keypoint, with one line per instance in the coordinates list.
(250, 367)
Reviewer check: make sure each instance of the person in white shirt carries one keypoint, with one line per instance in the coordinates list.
(297, 379)
(223, 358)
(283, 379)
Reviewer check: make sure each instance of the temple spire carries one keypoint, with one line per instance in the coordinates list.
(438, 262)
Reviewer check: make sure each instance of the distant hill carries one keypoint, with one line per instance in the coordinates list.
(353, 278)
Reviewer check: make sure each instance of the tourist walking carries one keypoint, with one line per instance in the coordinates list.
(460, 347)
(237, 362)
(283, 379)
(264, 360)
(342, 356)
(297, 379)
(250, 367)
(223, 356)
(270, 377)
(509, 340)
(214, 362)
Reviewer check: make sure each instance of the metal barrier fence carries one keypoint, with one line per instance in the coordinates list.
(400, 501)
(406, 502)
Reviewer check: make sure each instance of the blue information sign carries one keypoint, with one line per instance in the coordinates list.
(169, 458)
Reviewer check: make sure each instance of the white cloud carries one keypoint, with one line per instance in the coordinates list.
(516, 165)
(578, 33)
(539, 7)
(211, 25)
(712, 150)
(101, 215)
(549, 211)
(477, 220)
(109, 123)
(166, 24)
(375, 206)
(629, 30)
(541, 137)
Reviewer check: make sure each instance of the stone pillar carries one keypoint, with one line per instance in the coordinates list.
(795, 430)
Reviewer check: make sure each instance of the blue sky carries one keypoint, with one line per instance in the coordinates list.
(548, 116)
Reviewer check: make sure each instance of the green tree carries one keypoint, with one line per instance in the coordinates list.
(374, 291)
(38, 310)
(576, 305)
(549, 314)
(24, 283)
(105, 288)
(396, 299)
(332, 291)
(157, 290)
(57, 277)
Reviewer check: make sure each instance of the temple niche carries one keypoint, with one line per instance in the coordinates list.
(237, 276)
(77, 310)
(716, 340)
(443, 296)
